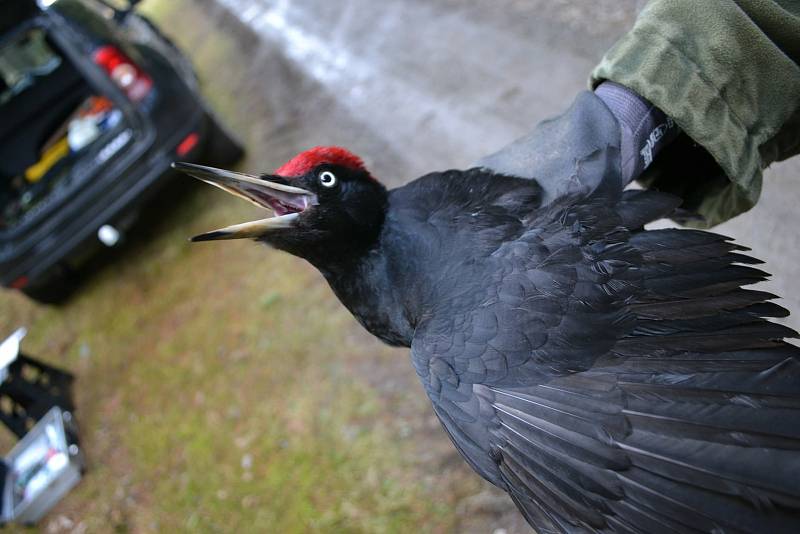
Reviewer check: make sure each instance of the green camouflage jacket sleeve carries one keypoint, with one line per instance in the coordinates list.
(728, 73)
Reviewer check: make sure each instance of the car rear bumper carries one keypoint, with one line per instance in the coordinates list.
(118, 205)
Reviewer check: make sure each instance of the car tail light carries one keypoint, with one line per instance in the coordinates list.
(188, 143)
(19, 283)
(124, 72)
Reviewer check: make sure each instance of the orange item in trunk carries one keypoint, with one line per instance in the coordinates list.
(95, 105)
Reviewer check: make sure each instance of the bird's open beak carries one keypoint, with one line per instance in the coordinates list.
(285, 200)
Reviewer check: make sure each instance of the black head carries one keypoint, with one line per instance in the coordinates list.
(327, 206)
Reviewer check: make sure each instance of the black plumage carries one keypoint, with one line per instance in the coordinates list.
(609, 378)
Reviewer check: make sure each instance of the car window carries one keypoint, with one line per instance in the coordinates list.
(23, 60)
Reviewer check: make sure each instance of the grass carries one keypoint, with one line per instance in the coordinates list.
(221, 387)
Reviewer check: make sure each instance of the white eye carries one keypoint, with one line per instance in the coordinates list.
(327, 179)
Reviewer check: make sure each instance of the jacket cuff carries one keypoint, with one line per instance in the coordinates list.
(692, 60)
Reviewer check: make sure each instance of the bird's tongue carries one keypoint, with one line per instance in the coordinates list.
(285, 200)
(282, 208)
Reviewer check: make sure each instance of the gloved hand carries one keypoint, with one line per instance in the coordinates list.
(611, 135)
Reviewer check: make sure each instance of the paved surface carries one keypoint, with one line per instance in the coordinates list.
(438, 83)
(415, 85)
(435, 84)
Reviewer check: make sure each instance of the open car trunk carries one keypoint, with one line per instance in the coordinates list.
(54, 125)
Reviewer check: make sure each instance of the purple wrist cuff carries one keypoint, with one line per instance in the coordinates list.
(645, 128)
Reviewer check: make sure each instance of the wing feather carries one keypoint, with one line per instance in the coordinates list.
(613, 379)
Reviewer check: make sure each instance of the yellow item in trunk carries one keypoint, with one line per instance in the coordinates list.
(49, 158)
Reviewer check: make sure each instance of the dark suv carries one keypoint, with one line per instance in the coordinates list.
(95, 103)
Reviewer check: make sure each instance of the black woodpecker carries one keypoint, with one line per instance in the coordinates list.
(609, 378)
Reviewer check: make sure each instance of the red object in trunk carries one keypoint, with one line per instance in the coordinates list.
(128, 77)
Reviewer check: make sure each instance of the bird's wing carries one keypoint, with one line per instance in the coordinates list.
(618, 380)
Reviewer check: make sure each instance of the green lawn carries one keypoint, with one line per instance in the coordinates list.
(221, 387)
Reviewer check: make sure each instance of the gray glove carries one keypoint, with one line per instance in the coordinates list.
(611, 135)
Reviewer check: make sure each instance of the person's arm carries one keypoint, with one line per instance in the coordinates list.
(727, 73)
